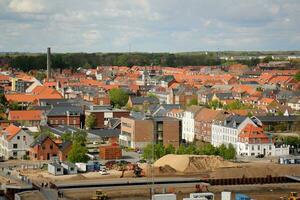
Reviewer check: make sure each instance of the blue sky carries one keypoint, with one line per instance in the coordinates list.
(149, 25)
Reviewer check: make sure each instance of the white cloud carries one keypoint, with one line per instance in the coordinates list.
(91, 36)
(26, 6)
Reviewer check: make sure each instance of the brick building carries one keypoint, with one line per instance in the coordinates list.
(138, 132)
(203, 122)
(43, 148)
(104, 113)
(110, 152)
(66, 115)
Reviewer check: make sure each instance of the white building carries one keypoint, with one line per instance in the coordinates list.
(227, 132)
(188, 123)
(252, 141)
(15, 142)
(294, 103)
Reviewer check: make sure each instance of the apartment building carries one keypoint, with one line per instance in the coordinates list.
(15, 142)
(137, 132)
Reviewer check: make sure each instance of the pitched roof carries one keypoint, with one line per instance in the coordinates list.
(141, 100)
(63, 110)
(40, 140)
(25, 115)
(206, 114)
(12, 131)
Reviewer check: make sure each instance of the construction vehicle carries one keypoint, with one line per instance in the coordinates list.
(100, 195)
(294, 196)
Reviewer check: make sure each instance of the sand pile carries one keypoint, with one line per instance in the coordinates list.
(192, 163)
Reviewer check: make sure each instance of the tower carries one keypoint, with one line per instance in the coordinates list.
(48, 63)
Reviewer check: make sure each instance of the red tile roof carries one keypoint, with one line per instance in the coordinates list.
(12, 131)
(25, 115)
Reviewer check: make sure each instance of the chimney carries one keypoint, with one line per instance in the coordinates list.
(48, 63)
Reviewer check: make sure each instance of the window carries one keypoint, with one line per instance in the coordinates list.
(35, 155)
(24, 137)
(258, 147)
(18, 137)
(270, 147)
(51, 146)
(74, 121)
(51, 121)
(62, 121)
(43, 147)
(15, 153)
(15, 146)
(56, 121)
(72, 168)
(252, 148)
(58, 169)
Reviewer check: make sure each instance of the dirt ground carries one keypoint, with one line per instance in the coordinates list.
(253, 169)
(257, 192)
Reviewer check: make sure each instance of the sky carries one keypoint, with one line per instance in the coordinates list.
(149, 25)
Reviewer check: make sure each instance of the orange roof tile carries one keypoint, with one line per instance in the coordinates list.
(12, 131)
(25, 115)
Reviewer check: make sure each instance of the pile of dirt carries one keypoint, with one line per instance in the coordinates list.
(77, 177)
(192, 163)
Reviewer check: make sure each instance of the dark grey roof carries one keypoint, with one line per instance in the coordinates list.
(44, 102)
(64, 110)
(39, 140)
(114, 122)
(61, 129)
(65, 145)
(105, 132)
(141, 100)
(278, 118)
(234, 121)
(162, 109)
(44, 108)
(69, 164)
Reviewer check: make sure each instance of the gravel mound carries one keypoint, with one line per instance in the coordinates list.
(192, 163)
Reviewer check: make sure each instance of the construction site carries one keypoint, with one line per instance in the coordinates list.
(180, 174)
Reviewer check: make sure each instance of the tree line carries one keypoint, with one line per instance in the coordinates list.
(227, 152)
(28, 62)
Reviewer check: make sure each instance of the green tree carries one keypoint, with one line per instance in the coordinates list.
(118, 97)
(297, 76)
(67, 136)
(215, 104)
(15, 106)
(267, 59)
(170, 149)
(79, 137)
(3, 100)
(78, 153)
(181, 149)
(208, 149)
(193, 102)
(230, 152)
(90, 121)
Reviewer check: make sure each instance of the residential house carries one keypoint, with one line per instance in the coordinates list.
(227, 132)
(294, 103)
(43, 148)
(141, 102)
(204, 120)
(27, 117)
(175, 113)
(69, 168)
(188, 123)
(182, 95)
(15, 142)
(64, 149)
(252, 141)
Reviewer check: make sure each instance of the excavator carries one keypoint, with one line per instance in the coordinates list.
(100, 195)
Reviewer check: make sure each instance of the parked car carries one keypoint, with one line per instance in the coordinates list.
(260, 156)
(103, 172)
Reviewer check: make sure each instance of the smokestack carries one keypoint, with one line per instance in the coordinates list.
(48, 63)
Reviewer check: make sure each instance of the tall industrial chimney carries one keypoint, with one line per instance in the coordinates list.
(48, 63)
